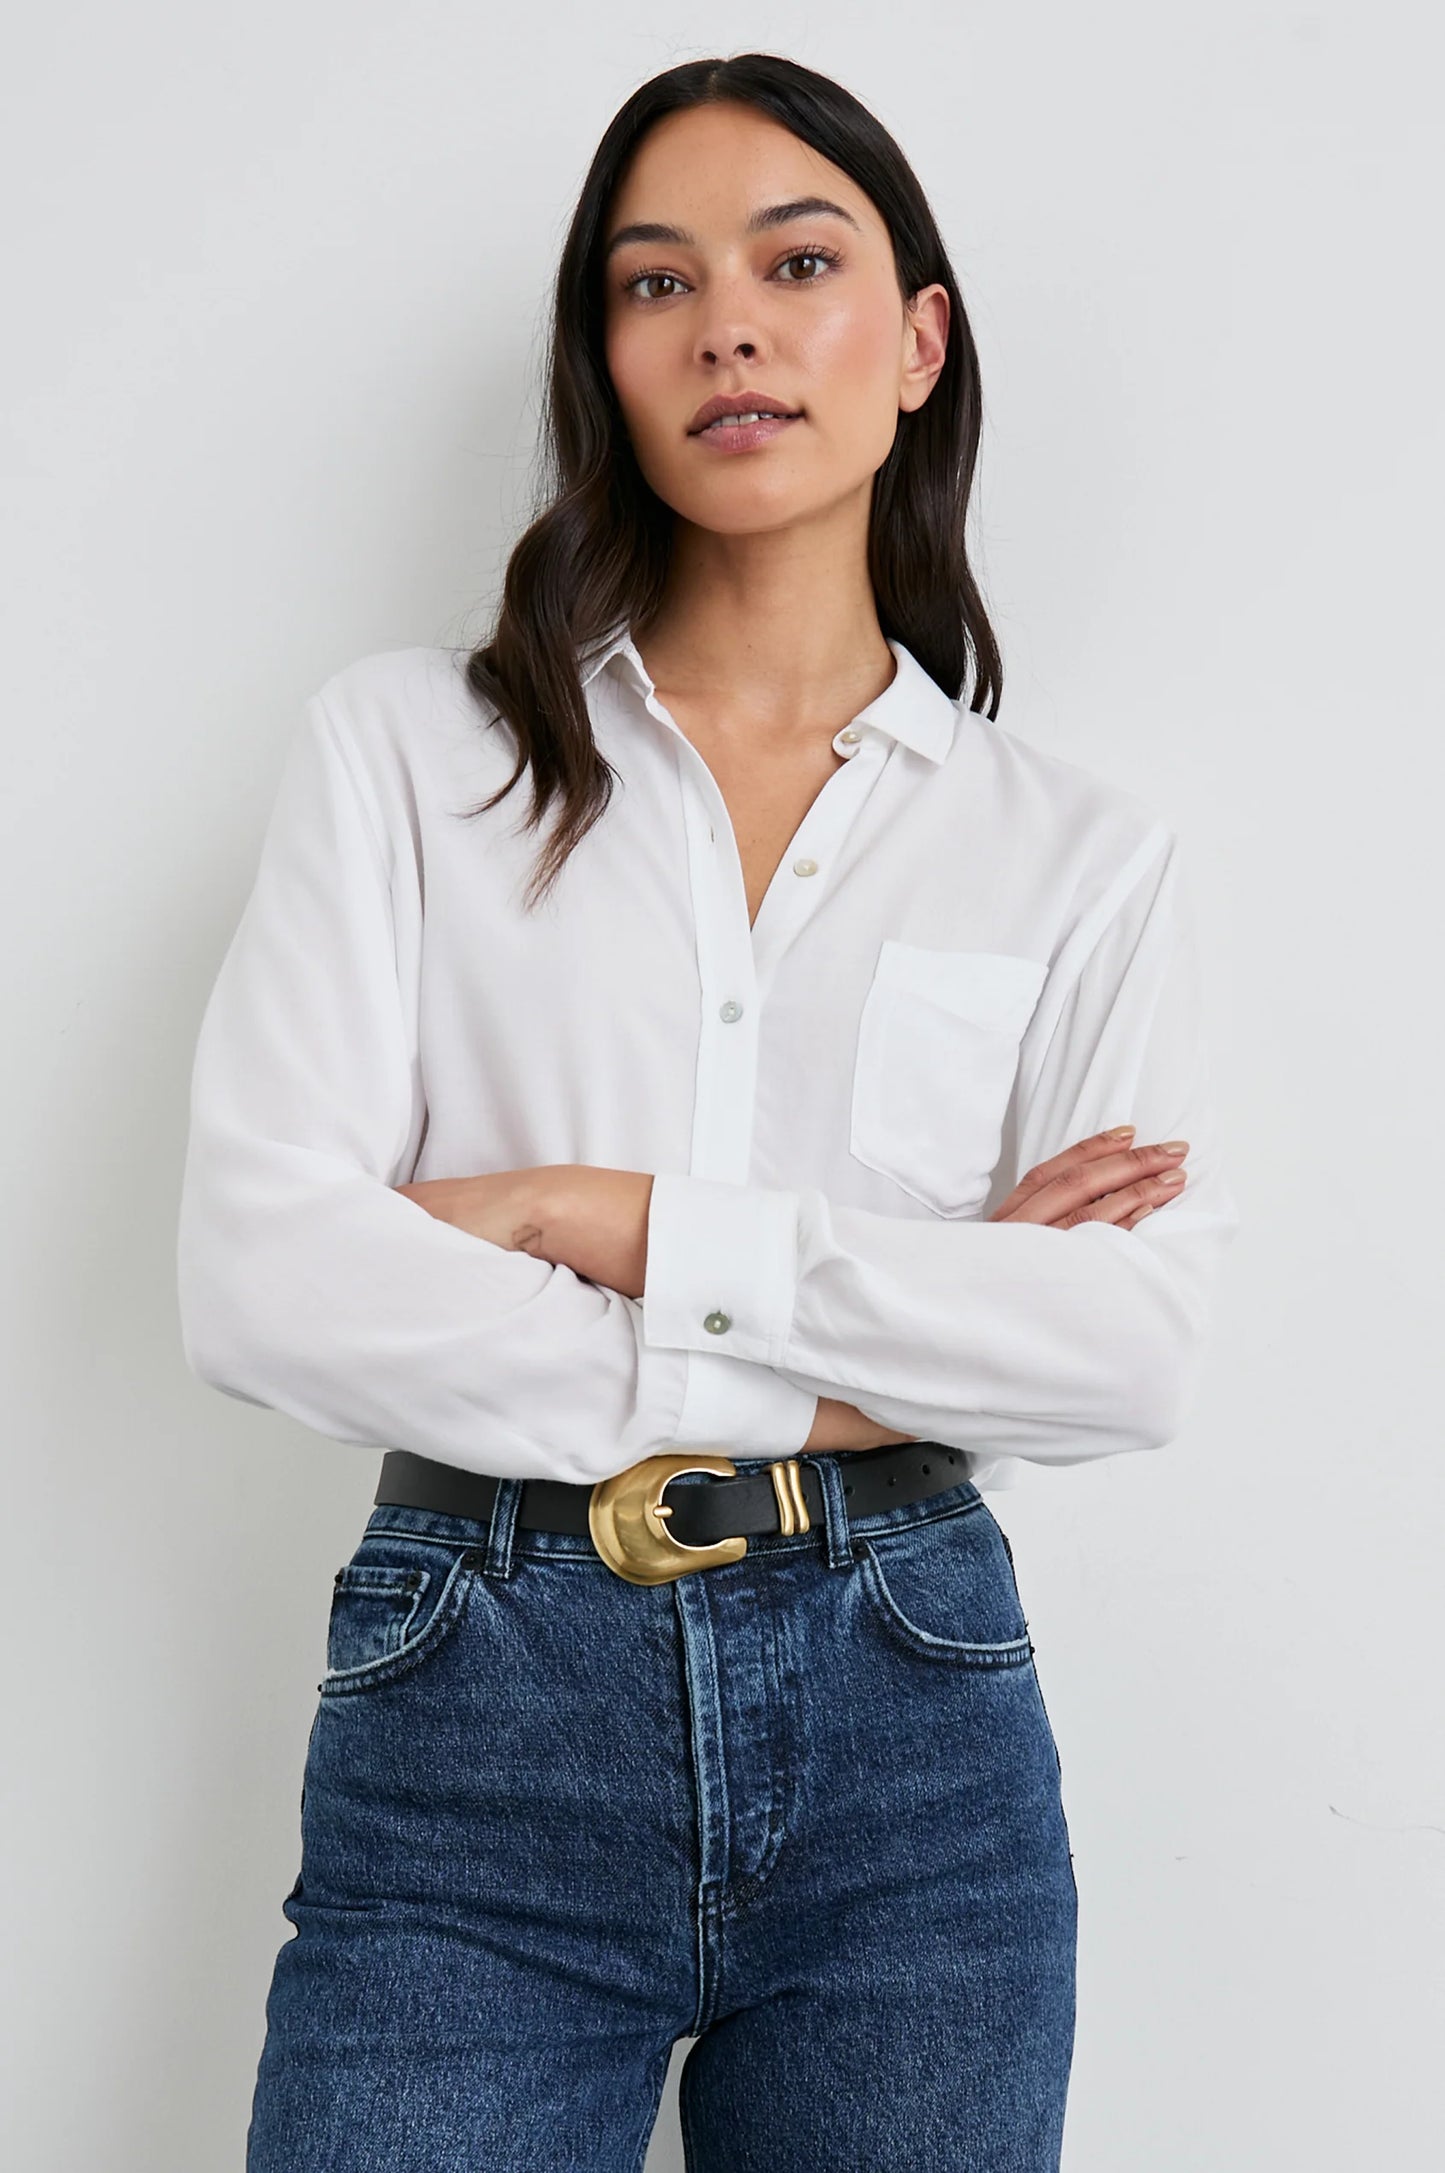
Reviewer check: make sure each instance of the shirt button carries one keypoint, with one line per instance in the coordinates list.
(730, 1011)
(805, 867)
(850, 735)
(718, 1323)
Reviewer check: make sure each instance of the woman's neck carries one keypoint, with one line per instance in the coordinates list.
(782, 663)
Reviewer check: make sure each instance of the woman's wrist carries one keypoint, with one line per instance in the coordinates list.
(592, 1220)
(838, 1425)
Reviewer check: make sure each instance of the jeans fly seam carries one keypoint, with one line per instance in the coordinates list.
(740, 1892)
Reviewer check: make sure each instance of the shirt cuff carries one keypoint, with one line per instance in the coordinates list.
(722, 1268)
(742, 1409)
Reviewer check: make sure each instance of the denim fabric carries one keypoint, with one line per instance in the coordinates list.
(804, 1808)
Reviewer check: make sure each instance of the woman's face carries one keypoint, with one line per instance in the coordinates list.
(804, 310)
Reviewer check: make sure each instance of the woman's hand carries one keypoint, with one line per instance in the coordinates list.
(1101, 1179)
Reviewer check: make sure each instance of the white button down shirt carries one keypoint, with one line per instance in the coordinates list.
(972, 954)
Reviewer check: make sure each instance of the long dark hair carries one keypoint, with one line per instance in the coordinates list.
(598, 550)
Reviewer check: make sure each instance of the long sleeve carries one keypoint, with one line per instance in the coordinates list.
(1003, 1339)
(308, 1284)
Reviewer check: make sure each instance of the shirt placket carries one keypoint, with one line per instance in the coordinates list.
(736, 963)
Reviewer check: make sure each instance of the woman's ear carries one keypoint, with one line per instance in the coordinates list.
(925, 346)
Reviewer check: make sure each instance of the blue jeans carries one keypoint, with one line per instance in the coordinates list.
(804, 1808)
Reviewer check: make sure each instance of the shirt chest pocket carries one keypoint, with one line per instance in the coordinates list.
(938, 1047)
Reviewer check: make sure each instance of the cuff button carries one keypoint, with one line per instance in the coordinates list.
(718, 1323)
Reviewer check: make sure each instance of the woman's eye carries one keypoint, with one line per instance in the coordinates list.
(808, 256)
(824, 257)
(640, 279)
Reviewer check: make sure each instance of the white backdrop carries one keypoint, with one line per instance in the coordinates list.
(277, 280)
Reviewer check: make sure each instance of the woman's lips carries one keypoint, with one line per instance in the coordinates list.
(742, 437)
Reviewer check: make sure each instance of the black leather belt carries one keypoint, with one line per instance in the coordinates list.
(787, 1497)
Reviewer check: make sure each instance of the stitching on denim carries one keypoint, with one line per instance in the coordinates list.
(1012, 1652)
(450, 1607)
(739, 1892)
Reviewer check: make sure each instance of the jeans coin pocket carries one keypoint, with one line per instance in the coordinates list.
(392, 1605)
(945, 1588)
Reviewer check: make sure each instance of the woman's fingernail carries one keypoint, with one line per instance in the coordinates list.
(1173, 1146)
(1119, 1131)
(1172, 1177)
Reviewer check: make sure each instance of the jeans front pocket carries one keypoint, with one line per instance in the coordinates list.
(945, 1588)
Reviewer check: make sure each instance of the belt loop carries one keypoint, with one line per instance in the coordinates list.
(499, 1562)
(835, 1509)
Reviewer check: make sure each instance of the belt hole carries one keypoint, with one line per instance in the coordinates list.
(926, 1469)
(847, 1490)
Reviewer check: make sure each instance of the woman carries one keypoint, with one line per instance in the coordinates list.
(766, 1143)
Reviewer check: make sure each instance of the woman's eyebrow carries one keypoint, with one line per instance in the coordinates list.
(770, 215)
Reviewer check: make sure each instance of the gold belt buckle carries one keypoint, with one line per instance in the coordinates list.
(628, 1517)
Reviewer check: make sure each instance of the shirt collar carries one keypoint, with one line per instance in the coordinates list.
(912, 708)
